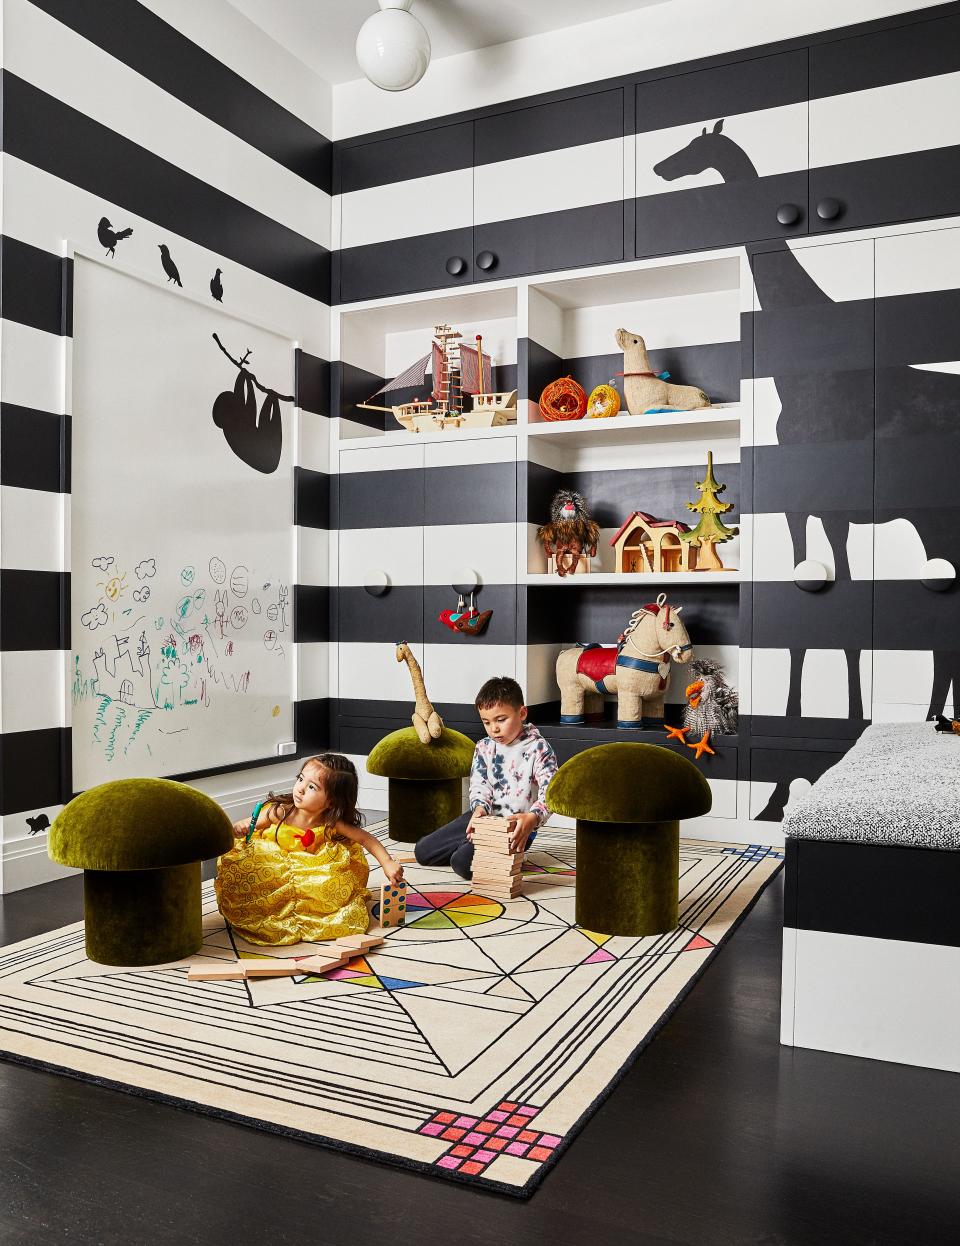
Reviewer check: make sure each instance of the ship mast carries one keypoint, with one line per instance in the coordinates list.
(450, 390)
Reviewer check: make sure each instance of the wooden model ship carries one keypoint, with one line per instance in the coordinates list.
(459, 372)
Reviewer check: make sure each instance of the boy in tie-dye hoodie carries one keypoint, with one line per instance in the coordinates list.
(511, 768)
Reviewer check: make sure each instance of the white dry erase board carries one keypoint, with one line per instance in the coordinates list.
(181, 532)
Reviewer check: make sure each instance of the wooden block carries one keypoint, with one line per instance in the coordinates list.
(562, 880)
(271, 968)
(406, 860)
(393, 904)
(226, 971)
(491, 823)
(497, 861)
(359, 942)
(320, 964)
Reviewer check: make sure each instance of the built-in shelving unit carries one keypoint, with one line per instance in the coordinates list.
(688, 311)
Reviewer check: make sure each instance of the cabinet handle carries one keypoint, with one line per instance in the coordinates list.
(788, 214)
(456, 265)
(829, 209)
(376, 582)
(810, 576)
(938, 575)
(486, 260)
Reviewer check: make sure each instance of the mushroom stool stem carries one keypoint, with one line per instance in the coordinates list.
(142, 917)
(418, 806)
(628, 877)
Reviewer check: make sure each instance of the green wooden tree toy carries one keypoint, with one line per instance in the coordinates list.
(711, 530)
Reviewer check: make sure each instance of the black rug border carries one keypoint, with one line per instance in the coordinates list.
(481, 1184)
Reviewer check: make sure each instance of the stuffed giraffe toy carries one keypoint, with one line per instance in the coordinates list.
(426, 721)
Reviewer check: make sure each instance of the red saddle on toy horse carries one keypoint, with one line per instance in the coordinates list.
(597, 662)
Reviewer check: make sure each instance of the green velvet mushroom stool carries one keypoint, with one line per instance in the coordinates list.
(628, 800)
(139, 843)
(425, 788)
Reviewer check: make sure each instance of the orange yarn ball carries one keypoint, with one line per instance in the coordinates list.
(603, 403)
(563, 399)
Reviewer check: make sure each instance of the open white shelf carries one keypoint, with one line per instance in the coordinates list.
(384, 339)
(598, 579)
(722, 420)
(401, 437)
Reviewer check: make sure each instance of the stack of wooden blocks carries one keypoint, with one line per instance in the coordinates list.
(331, 956)
(496, 868)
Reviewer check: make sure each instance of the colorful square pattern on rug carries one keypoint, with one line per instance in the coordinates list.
(472, 1044)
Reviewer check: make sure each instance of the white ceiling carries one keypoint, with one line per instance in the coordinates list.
(322, 33)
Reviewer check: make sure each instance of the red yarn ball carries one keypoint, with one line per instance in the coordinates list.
(563, 399)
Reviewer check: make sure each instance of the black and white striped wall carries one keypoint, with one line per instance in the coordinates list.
(188, 126)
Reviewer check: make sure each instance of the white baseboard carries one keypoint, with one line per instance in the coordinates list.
(26, 864)
(720, 830)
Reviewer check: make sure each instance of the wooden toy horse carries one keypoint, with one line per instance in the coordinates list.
(644, 389)
(637, 668)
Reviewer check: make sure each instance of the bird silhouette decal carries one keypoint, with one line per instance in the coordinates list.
(168, 265)
(216, 286)
(40, 823)
(109, 237)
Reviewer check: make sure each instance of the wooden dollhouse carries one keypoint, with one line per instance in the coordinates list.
(646, 543)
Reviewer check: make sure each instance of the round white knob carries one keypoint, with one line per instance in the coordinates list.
(465, 580)
(937, 574)
(810, 576)
(376, 582)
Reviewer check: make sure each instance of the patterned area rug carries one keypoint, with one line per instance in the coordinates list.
(472, 1045)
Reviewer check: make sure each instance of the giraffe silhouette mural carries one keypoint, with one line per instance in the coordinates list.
(854, 406)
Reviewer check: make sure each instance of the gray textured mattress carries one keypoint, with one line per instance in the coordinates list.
(899, 784)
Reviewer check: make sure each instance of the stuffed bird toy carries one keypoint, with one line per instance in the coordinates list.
(572, 531)
(711, 707)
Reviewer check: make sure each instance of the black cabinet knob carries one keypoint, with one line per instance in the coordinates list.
(456, 265)
(829, 209)
(788, 214)
(486, 260)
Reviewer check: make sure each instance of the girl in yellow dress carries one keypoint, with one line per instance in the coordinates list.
(299, 873)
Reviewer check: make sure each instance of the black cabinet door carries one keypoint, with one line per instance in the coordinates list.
(548, 187)
(812, 487)
(885, 126)
(917, 629)
(779, 775)
(406, 213)
(721, 155)
(379, 517)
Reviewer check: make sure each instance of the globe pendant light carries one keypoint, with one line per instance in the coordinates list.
(393, 48)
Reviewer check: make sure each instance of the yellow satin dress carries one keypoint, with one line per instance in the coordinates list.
(272, 896)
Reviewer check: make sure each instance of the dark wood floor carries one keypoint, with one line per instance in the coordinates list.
(716, 1135)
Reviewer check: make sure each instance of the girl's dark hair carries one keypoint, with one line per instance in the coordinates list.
(340, 781)
(501, 690)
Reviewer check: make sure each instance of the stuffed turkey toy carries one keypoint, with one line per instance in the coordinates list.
(572, 531)
(711, 707)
